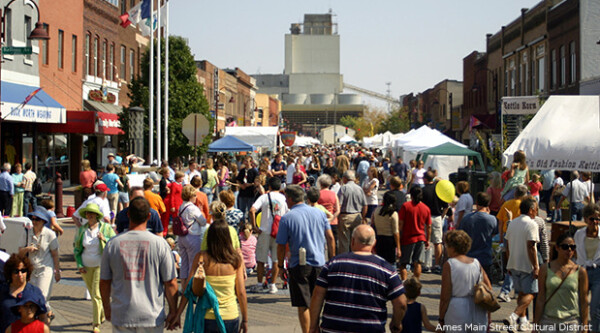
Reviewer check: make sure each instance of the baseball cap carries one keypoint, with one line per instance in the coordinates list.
(100, 186)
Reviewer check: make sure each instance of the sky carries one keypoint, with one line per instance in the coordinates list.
(413, 44)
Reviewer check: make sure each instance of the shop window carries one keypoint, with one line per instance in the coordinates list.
(53, 157)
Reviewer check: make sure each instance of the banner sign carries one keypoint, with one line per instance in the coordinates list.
(288, 138)
(520, 105)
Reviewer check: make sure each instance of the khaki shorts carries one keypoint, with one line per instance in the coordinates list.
(437, 225)
(264, 244)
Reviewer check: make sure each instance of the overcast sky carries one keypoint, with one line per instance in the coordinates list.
(411, 43)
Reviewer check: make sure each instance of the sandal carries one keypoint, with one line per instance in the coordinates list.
(96, 329)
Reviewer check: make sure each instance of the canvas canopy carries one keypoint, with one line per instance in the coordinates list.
(229, 144)
(256, 136)
(564, 134)
(450, 149)
(303, 141)
(347, 139)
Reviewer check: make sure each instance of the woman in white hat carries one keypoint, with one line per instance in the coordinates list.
(89, 244)
(42, 249)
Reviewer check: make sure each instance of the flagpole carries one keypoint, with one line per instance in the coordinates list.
(151, 84)
(166, 120)
(158, 85)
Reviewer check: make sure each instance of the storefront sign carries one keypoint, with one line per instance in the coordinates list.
(288, 138)
(33, 113)
(108, 124)
(520, 105)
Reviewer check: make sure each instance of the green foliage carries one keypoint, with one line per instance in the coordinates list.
(348, 121)
(396, 122)
(185, 96)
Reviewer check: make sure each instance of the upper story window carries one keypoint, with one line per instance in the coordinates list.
(113, 2)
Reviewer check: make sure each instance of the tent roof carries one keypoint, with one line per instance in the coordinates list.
(564, 135)
(229, 144)
(255, 135)
(449, 148)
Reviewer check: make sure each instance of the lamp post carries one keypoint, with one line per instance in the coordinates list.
(38, 33)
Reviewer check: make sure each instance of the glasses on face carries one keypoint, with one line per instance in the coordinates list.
(566, 247)
(34, 218)
(22, 270)
(594, 219)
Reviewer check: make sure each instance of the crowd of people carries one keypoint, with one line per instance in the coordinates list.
(344, 228)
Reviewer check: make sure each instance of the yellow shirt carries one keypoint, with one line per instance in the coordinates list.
(235, 240)
(224, 287)
(513, 206)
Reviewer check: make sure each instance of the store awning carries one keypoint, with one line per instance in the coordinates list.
(40, 107)
(87, 122)
(101, 107)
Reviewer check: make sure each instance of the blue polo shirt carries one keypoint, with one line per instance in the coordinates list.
(7, 183)
(304, 226)
(154, 223)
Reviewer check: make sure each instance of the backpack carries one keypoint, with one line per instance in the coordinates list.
(36, 187)
(179, 227)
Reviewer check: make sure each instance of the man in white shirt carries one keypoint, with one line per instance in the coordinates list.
(272, 202)
(191, 172)
(521, 237)
(580, 194)
(291, 170)
(99, 198)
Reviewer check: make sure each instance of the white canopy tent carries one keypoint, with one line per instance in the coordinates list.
(346, 138)
(380, 140)
(410, 144)
(303, 141)
(264, 137)
(564, 134)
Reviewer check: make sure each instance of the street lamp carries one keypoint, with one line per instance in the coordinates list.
(38, 33)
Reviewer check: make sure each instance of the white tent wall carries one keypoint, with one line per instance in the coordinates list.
(564, 135)
(444, 165)
(264, 137)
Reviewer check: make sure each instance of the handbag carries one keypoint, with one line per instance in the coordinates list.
(179, 227)
(484, 297)
(276, 218)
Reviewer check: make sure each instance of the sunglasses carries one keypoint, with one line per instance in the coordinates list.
(22, 270)
(33, 218)
(594, 219)
(566, 247)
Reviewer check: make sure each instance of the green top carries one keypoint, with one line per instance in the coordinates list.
(565, 304)
(105, 228)
(211, 178)
(517, 179)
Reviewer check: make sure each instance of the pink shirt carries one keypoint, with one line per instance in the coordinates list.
(248, 250)
(327, 200)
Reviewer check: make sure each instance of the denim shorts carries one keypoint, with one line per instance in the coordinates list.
(123, 197)
(524, 282)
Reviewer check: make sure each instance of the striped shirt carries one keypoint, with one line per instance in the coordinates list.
(358, 287)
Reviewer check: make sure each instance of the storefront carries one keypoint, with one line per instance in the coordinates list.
(24, 110)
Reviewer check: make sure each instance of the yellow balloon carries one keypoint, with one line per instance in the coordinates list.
(445, 190)
(258, 217)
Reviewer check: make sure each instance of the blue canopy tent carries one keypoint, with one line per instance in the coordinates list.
(229, 144)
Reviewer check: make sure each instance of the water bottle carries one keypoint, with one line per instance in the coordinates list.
(302, 256)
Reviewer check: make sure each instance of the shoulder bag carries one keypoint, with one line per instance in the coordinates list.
(276, 218)
(561, 283)
(179, 227)
(483, 296)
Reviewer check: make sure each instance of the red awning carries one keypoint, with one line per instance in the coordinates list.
(86, 122)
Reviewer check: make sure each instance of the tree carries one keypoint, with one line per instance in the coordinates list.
(396, 122)
(186, 95)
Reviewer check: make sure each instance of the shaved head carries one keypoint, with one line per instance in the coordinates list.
(363, 236)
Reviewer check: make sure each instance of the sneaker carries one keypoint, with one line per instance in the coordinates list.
(272, 288)
(511, 323)
(524, 325)
(436, 270)
(426, 269)
(257, 288)
(503, 297)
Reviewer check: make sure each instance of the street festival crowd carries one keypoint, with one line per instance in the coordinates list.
(311, 220)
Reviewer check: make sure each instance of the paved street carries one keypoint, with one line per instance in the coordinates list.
(267, 313)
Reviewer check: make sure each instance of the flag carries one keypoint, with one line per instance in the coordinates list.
(146, 9)
(145, 27)
(164, 17)
(133, 16)
(30, 96)
(474, 122)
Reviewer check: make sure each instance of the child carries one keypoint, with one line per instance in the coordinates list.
(416, 313)
(313, 196)
(49, 205)
(176, 255)
(535, 186)
(28, 308)
(248, 242)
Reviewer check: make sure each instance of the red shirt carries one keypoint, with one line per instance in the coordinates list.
(173, 199)
(35, 326)
(327, 200)
(87, 178)
(415, 217)
(535, 187)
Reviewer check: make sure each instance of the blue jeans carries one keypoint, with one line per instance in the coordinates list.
(508, 284)
(244, 204)
(231, 326)
(209, 194)
(577, 211)
(557, 213)
(594, 287)
(27, 199)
